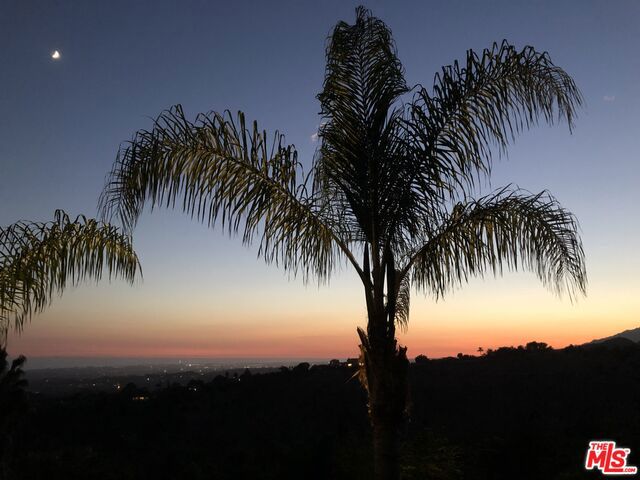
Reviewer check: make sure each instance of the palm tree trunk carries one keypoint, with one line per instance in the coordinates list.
(386, 450)
(384, 374)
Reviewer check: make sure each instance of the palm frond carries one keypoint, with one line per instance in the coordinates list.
(220, 170)
(38, 260)
(361, 134)
(403, 303)
(508, 229)
(483, 104)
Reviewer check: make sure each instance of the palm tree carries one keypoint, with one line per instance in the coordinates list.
(13, 402)
(12, 383)
(391, 190)
(40, 259)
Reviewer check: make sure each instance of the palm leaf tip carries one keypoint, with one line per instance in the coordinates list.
(40, 259)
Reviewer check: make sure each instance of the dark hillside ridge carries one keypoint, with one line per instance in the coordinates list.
(632, 334)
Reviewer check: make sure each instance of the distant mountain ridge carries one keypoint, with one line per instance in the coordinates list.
(633, 335)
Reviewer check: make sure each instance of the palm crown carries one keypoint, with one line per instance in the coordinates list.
(392, 190)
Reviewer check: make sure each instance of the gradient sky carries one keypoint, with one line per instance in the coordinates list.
(205, 294)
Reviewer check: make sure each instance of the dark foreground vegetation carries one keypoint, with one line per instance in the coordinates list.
(525, 413)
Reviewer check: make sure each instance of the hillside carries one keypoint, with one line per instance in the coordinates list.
(526, 413)
(632, 334)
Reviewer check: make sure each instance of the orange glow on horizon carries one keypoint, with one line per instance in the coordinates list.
(282, 319)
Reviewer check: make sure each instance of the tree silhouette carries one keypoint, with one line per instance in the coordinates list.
(537, 347)
(13, 402)
(393, 189)
(38, 260)
(421, 360)
(12, 385)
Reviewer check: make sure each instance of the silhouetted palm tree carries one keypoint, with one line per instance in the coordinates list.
(12, 385)
(391, 188)
(38, 260)
(13, 401)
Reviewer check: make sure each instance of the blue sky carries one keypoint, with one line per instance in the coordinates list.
(123, 62)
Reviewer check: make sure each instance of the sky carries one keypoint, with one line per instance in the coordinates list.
(204, 294)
